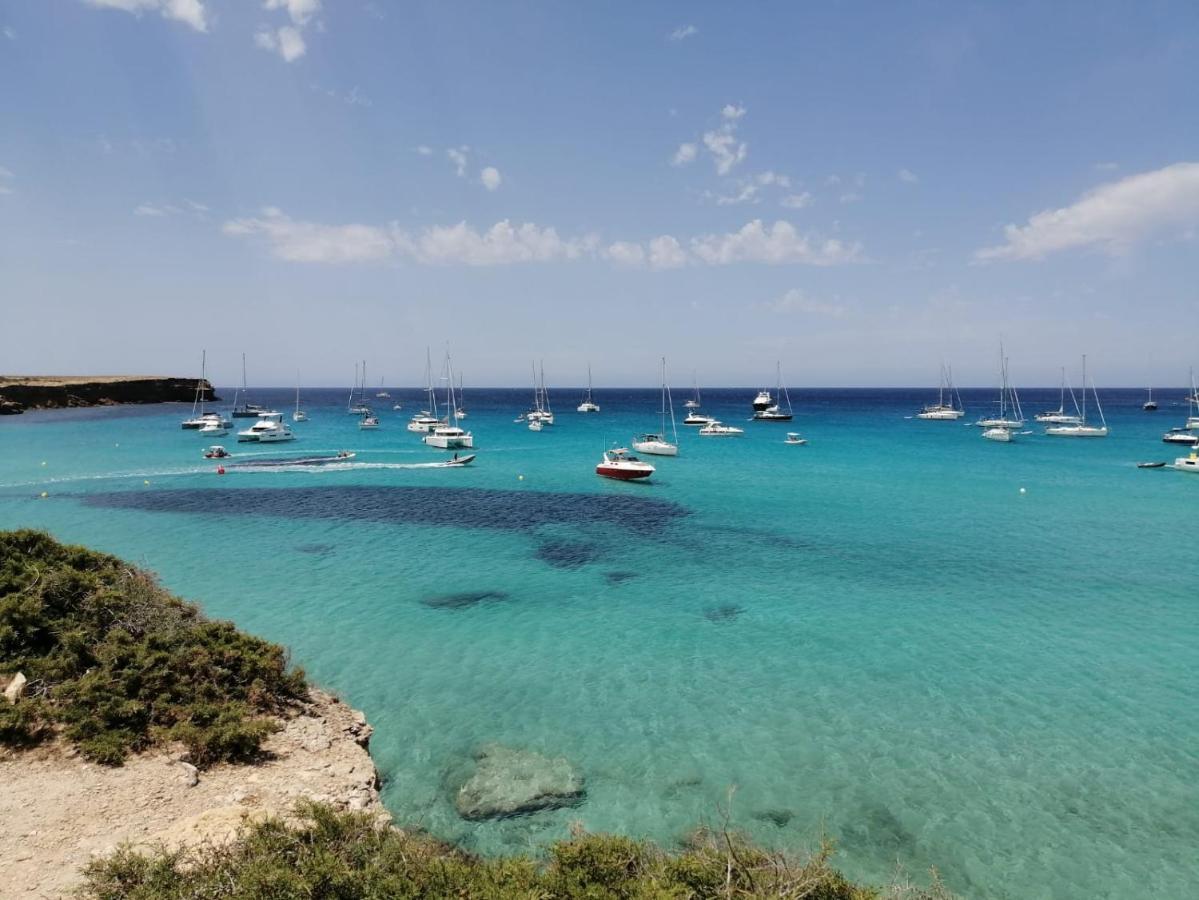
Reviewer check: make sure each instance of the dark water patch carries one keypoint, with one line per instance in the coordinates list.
(724, 613)
(316, 549)
(779, 818)
(619, 577)
(567, 554)
(464, 599)
(876, 827)
(429, 506)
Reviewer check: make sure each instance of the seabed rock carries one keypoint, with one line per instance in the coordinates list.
(512, 782)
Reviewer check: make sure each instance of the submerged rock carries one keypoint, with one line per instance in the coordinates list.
(725, 613)
(316, 549)
(780, 818)
(567, 554)
(512, 782)
(619, 577)
(464, 599)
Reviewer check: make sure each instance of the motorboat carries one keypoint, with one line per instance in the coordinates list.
(716, 428)
(762, 401)
(697, 418)
(588, 405)
(216, 451)
(449, 437)
(370, 420)
(1149, 405)
(1059, 416)
(944, 410)
(423, 422)
(1151, 465)
(998, 433)
(246, 410)
(1187, 463)
(774, 412)
(535, 424)
(269, 429)
(617, 463)
(398, 407)
(1180, 436)
(794, 438)
(1082, 429)
(214, 426)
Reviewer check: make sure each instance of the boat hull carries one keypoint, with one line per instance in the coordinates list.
(656, 448)
(623, 473)
(1079, 431)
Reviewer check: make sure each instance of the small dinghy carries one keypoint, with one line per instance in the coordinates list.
(216, 451)
(1151, 465)
(794, 438)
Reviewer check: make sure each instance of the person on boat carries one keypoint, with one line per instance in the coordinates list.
(455, 456)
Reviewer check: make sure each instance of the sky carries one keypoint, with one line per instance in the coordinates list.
(862, 191)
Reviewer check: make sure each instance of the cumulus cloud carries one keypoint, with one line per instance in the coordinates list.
(288, 40)
(777, 244)
(796, 201)
(507, 243)
(796, 301)
(300, 11)
(490, 177)
(685, 154)
(190, 12)
(748, 190)
(457, 156)
(726, 149)
(1111, 217)
(908, 176)
(424, 150)
(682, 33)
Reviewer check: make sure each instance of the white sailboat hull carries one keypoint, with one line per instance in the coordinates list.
(656, 448)
(1077, 431)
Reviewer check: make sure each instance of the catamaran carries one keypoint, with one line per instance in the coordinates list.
(656, 444)
(588, 405)
(944, 409)
(1059, 416)
(1082, 429)
(1011, 416)
(426, 420)
(269, 429)
(774, 412)
(448, 435)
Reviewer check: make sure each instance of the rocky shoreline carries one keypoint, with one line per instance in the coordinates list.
(19, 392)
(60, 811)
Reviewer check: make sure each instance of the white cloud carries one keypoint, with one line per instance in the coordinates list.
(457, 156)
(157, 210)
(749, 189)
(424, 150)
(796, 201)
(356, 98)
(832, 180)
(6, 178)
(148, 209)
(10, 33)
(490, 177)
(908, 176)
(722, 143)
(506, 243)
(685, 154)
(1113, 216)
(300, 11)
(682, 33)
(850, 197)
(796, 301)
(190, 12)
(732, 111)
(778, 244)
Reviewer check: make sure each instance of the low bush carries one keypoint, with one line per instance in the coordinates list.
(118, 664)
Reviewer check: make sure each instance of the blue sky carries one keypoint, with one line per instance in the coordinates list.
(861, 190)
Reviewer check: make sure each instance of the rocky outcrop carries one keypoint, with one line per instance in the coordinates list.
(512, 782)
(18, 393)
(16, 687)
(59, 810)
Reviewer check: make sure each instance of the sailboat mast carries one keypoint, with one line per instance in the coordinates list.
(1084, 389)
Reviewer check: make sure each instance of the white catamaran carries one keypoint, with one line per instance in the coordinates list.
(449, 435)
(656, 444)
(426, 420)
(588, 405)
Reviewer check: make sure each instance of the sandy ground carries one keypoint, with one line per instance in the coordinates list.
(57, 811)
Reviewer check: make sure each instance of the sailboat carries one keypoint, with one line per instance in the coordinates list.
(461, 407)
(1184, 433)
(1011, 416)
(945, 408)
(1082, 429)
(299, 415)
(541, 414)
(588, 405)
(382, 393)
(359, 407)
(774, 412)
(247, 410)
(693, 403)
(426, 420)
(1149, 405)
(1059, 416)
(656, 444)
(448, 435)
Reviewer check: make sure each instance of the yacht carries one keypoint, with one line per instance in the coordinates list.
(999, 433)
(382, 393)
(541, 411)
(774, 412)
(1082, 429)
(299, 415)
(199, 418)
(448, 435)
(588, 405)
(715, 428)
(944, 409)
(1149, 405)
(698, 418)
(246, 410)
(656, 443)
(214, 426)
(269, 429)
(426, 420)
(617, 463)
(216, 451)
(1059, 416)
(370, 420)
(693, 403)
(1011, 416)
(461, 406)
(762, 401)
(1192, 422)
(1188, 463)
(356, 405)
(1180, 436)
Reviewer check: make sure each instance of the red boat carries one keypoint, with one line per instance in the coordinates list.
(617, 463)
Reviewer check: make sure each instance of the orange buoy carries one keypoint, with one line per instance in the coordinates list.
(220, 470)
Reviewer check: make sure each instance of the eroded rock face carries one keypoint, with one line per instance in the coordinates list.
(510, 782)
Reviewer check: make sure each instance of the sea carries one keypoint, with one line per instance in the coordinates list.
(936, 650)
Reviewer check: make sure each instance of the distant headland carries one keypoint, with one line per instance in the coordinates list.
(21, 392)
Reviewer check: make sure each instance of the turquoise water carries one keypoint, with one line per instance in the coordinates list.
(875, 636)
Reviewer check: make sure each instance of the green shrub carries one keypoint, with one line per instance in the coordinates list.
(123, 664)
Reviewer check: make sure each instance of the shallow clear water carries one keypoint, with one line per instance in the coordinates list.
(876, 635)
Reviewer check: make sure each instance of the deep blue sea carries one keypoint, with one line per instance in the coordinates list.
(936, 649)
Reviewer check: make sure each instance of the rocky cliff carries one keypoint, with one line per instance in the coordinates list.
(18, 393)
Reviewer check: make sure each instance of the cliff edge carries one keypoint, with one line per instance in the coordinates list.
(21, 392)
